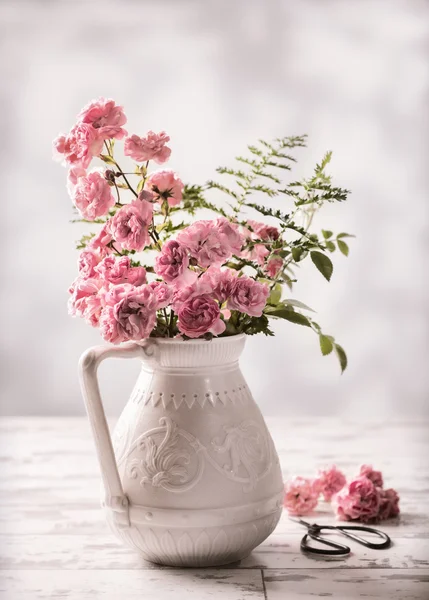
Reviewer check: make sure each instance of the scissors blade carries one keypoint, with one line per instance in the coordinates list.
(301, 522)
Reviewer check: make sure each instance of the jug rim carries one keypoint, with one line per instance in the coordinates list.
(199, 341)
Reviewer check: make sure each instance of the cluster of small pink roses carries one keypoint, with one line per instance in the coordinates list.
(111, 291)
(112, 294)
(362, 499)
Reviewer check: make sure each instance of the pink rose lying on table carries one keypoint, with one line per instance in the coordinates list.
(389, 504)
(330, 481)
(358, 501)
(375, 476)
(300, 497)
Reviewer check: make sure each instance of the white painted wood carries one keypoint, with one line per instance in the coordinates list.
(55, 544)
(279, 551)
(166, 584)
(352, 585)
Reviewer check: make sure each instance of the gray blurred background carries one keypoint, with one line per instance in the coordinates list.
(216, 75)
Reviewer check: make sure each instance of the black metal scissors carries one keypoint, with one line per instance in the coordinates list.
(314, 531)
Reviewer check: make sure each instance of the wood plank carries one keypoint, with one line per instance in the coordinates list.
(169, 584)
(347, 584)
(104, 551)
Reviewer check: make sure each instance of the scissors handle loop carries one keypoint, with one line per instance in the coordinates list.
(338, 549)
(348, 529)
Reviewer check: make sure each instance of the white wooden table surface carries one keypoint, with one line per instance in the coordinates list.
(55, 544)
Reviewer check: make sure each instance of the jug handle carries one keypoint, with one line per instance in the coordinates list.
(115, 499)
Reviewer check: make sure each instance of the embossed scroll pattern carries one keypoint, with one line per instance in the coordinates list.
(170, 457)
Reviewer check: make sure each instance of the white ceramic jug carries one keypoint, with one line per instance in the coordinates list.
(192, 477)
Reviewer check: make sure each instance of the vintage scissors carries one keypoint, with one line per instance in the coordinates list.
(314, 531)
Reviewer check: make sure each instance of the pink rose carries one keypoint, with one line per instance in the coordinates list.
(204, 242)
(274, 266)
(86, 300)
(136, 276)
(172, 264)
(163, 293)
(119, 270)
(88, 260)
(101, 241)
(92, 196)
(375, 476)
(80, 145)
(222, 282)
(389, 504)
(132, 318)
(258, 253)
(300, 496)
(249, 296)
(73, 176)
(198, 316)
(116, 293)
(130, 225)
(166, 185)
(329, 482)
(264, 232)
(151, 147)
(200, 287)
(59, 146)
(230, 234)
(358, 500)
(105, 117)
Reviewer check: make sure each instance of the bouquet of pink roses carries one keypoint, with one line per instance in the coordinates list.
(150, 272)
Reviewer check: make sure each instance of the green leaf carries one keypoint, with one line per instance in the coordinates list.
(326, 345)
(323, 263)
(276, 294)
(289, 315)
(330, 246)
(296, 253)
(140, 186)
(343, 235)
(342, 357)
(327, 233)
(343, 247)
(297, 303)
